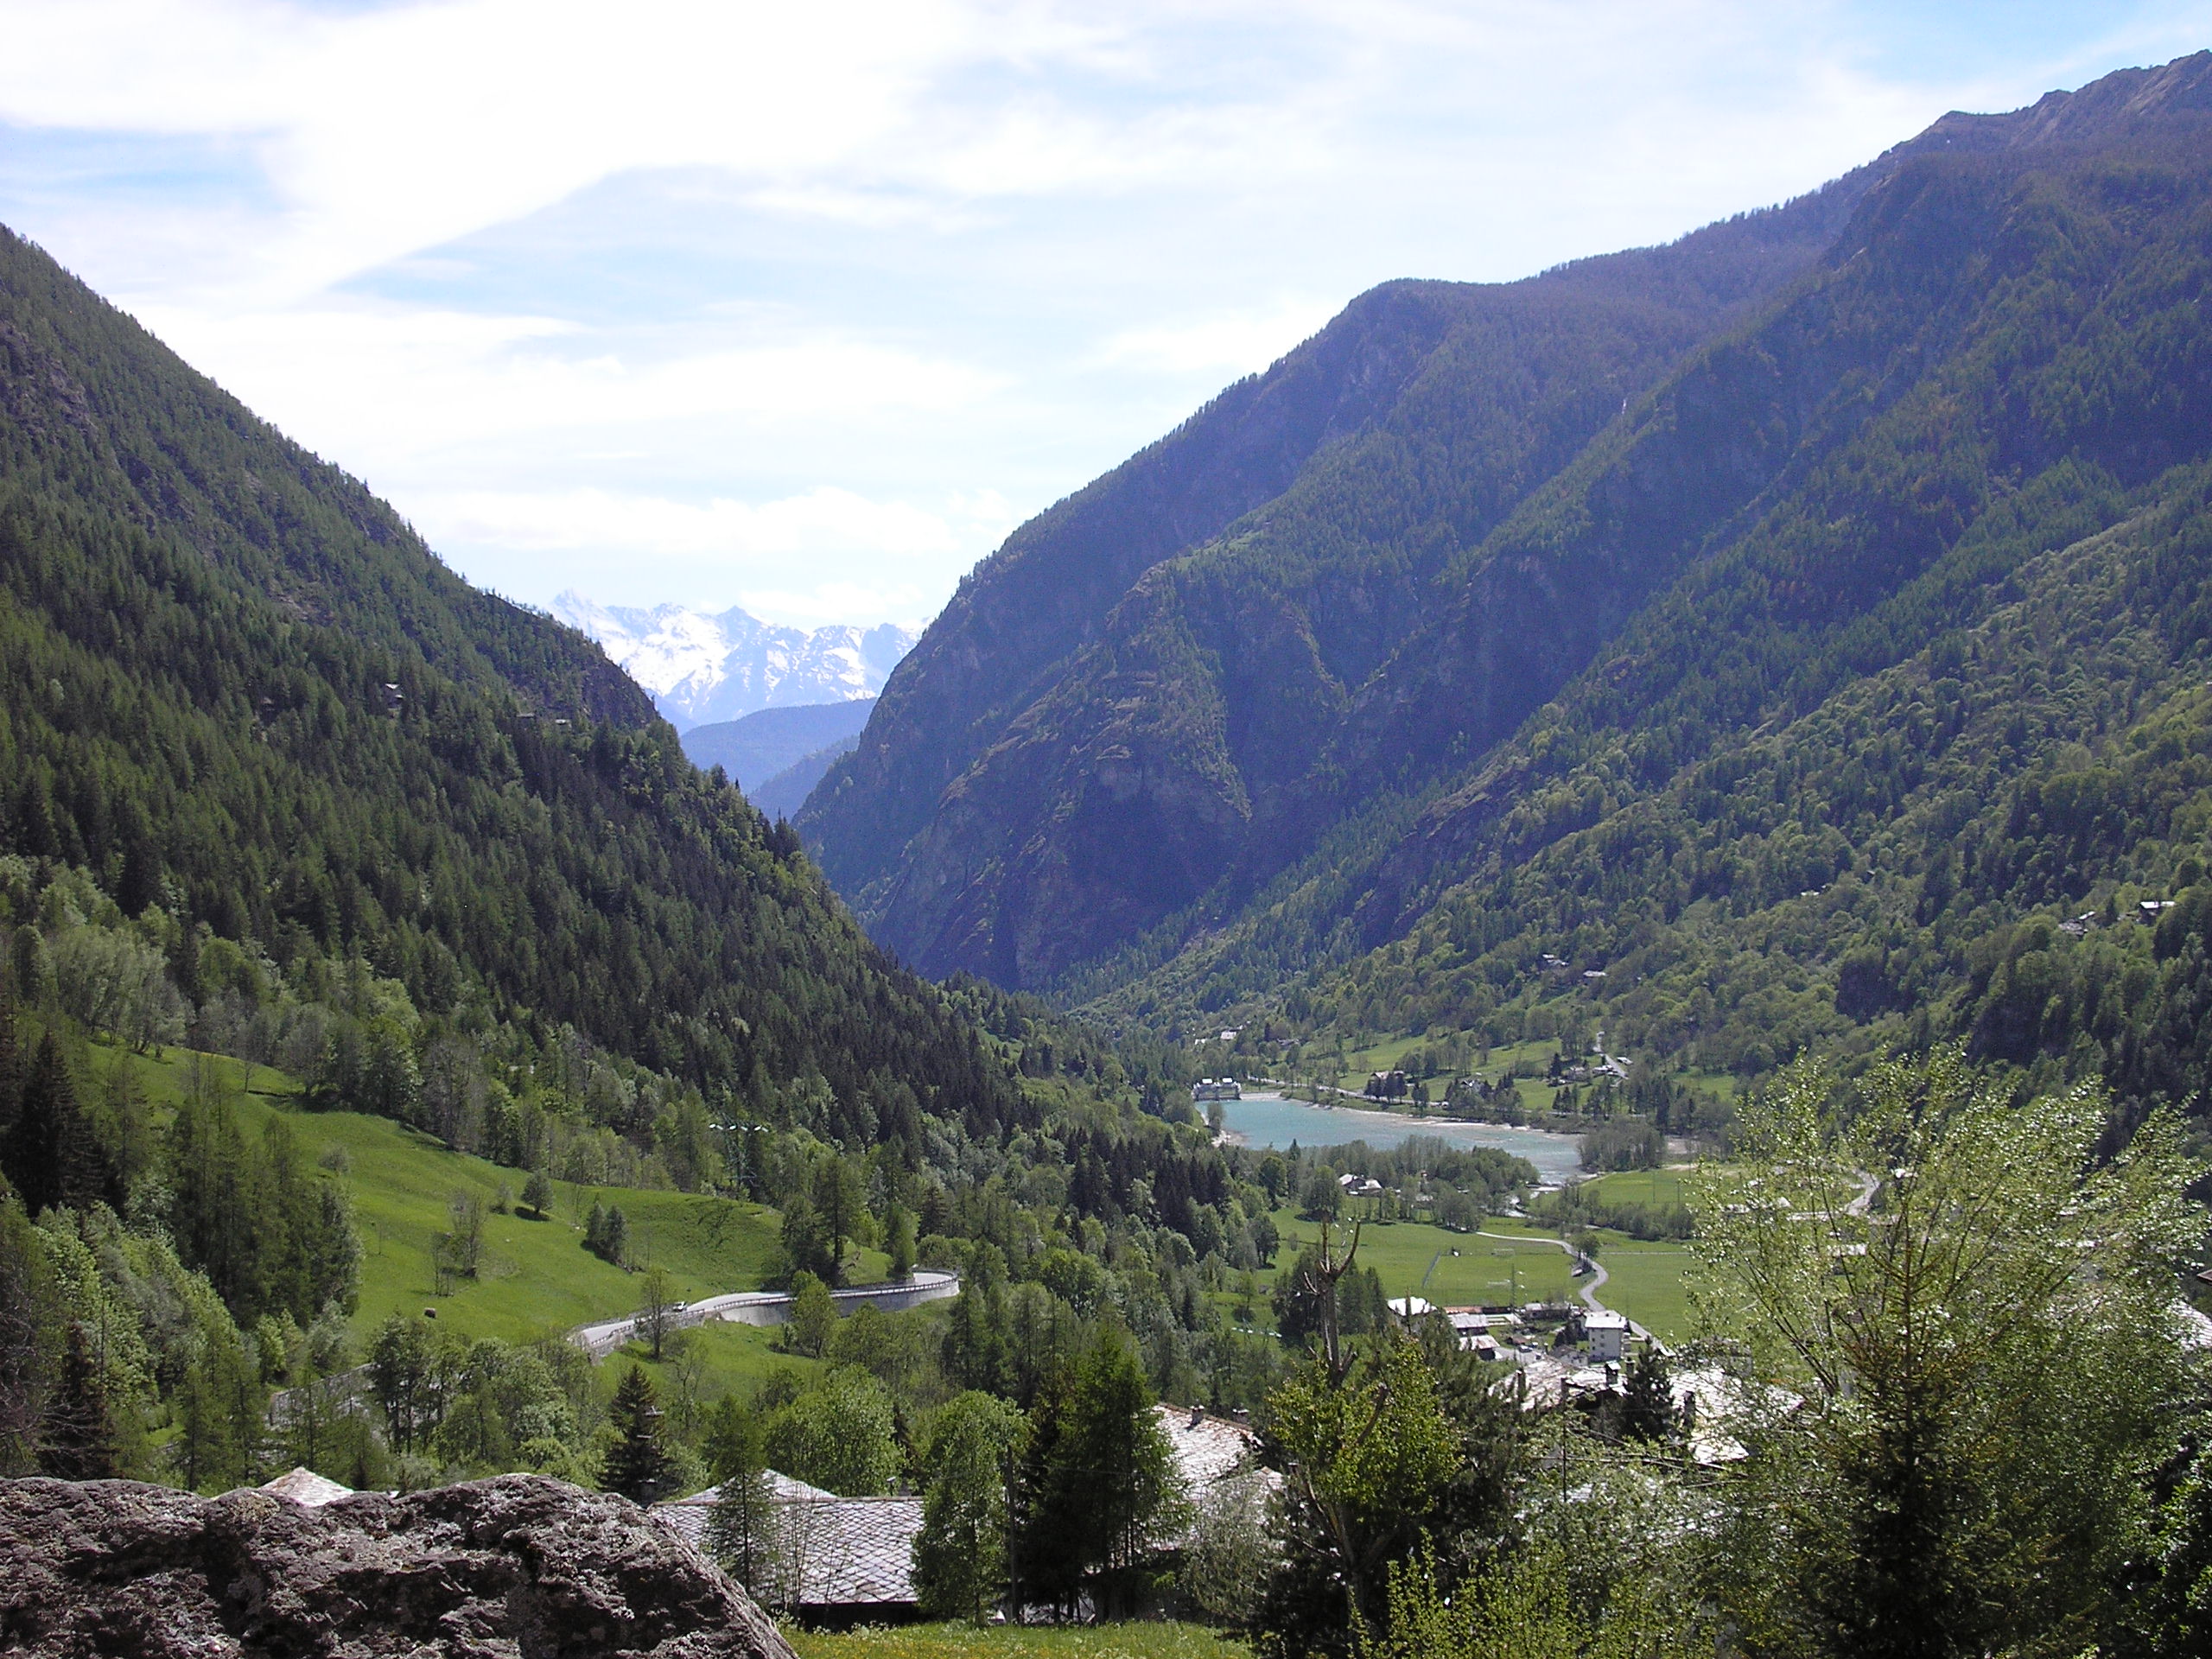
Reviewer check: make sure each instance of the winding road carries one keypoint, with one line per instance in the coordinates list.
(769, 1307)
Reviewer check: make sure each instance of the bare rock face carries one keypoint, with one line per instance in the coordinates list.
(518, 1568)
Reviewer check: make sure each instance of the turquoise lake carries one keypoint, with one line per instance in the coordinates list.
(1271, 1120)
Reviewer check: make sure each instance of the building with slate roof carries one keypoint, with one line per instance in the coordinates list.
(840, 1560)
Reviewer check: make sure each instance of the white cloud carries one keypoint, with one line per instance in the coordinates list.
(341, 375)
(904, 242)
(388, 131)
(1232, 344)
(820, 519)
(888, 555)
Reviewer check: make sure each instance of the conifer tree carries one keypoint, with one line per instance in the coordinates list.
(960, 1554)
(741, 1527)
(77, 1439)
(840, 1203)
(636, 1466)
(805, 1240)
(11, 1062)
(52, 1157)
(1097, 1483)
(1045, 1531)
(402, 1376)
(606, 1233)
(814, 1316)
(899, 1243)
(202, 1444)
(1648, 1399)
(221, 1410)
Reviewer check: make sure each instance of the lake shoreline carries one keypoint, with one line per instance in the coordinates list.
(1271, 1120)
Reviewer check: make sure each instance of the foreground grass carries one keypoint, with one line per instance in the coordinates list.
(1134, 1640)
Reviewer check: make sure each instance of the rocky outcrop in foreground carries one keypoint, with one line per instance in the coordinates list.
(520, 1565)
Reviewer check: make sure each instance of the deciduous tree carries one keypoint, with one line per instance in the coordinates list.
(1960, 1350)
(967, 1458)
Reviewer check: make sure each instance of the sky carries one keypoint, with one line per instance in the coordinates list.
(803, 307)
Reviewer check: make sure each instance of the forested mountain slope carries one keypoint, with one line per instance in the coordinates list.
(238, 690)
(1928, 692)
(1074, 749)
(1995, 352)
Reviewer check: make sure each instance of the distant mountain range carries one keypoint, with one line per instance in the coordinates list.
(701, 668)
(777, 755)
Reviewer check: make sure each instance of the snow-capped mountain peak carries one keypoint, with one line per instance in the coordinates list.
(701, 667)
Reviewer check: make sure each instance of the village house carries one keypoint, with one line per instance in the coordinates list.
(1605, 1334)
(837, 1561)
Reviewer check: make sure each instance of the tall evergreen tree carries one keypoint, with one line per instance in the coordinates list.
(1115, 1456)
(402, 1376)
(54, 1157)
(742, 1528)
(1045, 1522)
(1099, 1482)
(636, 1466)
(840, 1202)
(1647, 1410)
(898, 1242)
(11, 1061)
(220, 1408)
(207, 1205)
(78, 1440)
(806, 1240)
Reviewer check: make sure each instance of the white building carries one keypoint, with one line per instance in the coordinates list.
(1607, 1335)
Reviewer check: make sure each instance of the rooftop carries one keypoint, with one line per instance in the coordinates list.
(853, 1552)
(1207, 1448)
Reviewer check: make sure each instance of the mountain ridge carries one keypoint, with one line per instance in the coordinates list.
(238, 693)
(1225, 719)
(1570, 346)
(768, 742)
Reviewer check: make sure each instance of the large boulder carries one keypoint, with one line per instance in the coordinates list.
(520, 1565)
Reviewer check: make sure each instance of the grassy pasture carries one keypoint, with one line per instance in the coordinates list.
(536, 1275)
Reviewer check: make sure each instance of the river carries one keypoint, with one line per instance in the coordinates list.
(1260, 1119)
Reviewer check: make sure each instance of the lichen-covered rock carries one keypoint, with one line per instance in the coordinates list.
(521, 1566)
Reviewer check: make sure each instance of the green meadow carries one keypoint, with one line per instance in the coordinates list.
(1512, 1261)
(1450, 1270)
(1648, 1282)
(1649, 1187)
(535, 1275)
